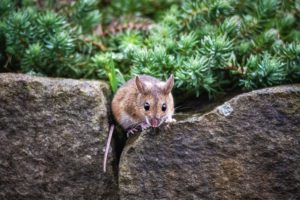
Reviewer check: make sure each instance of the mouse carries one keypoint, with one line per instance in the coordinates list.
(142, 102)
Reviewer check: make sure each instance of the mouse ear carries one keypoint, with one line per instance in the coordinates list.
(142, 87)
(169, 84)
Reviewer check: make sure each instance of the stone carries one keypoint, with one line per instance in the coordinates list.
(247, 148)
(52, 132)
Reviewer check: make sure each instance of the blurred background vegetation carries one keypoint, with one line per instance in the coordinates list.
(211, 46)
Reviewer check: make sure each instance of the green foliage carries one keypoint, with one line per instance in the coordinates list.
(85, 15)
(105, 61)
(127, 8)
(40, 42)
(214, 44)
(46, 42)
(210, 46)
(264, 71)
(5, 6)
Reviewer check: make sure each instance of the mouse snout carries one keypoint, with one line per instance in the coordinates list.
(154, 122)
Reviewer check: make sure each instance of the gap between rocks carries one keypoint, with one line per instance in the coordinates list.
(183, 110)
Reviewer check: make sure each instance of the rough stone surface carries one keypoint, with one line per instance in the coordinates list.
(52, 132)
(249, 148)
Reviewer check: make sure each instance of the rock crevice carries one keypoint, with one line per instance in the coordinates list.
(52, 134)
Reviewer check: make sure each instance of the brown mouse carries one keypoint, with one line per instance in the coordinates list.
(141, 103)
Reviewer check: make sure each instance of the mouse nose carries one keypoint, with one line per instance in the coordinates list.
(154, 122)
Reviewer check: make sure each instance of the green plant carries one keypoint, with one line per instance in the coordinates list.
(46, 42)
(210, 46)
(213, 45)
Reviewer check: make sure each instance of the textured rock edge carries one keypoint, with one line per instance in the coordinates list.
(221, 111)
(90, 89)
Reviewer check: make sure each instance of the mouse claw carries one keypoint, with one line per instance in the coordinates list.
(144, 126)
(131, 132)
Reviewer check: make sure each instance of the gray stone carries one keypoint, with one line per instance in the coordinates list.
(52, 132)
(248, 148)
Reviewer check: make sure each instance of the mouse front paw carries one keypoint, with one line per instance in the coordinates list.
(145, 125)
(131, 132)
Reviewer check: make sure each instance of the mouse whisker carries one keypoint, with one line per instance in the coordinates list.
(177, 107)
(147, 120)
(182, 107)
(163, 119)
(180, 114)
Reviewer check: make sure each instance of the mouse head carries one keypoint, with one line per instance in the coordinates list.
(155, 101)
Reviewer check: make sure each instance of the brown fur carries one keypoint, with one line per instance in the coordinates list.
(128, 102)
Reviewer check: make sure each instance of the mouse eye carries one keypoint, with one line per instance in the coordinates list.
(146, 106)
(164, 107)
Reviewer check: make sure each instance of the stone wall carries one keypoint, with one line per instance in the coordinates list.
(52, 134)
(247, 148)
